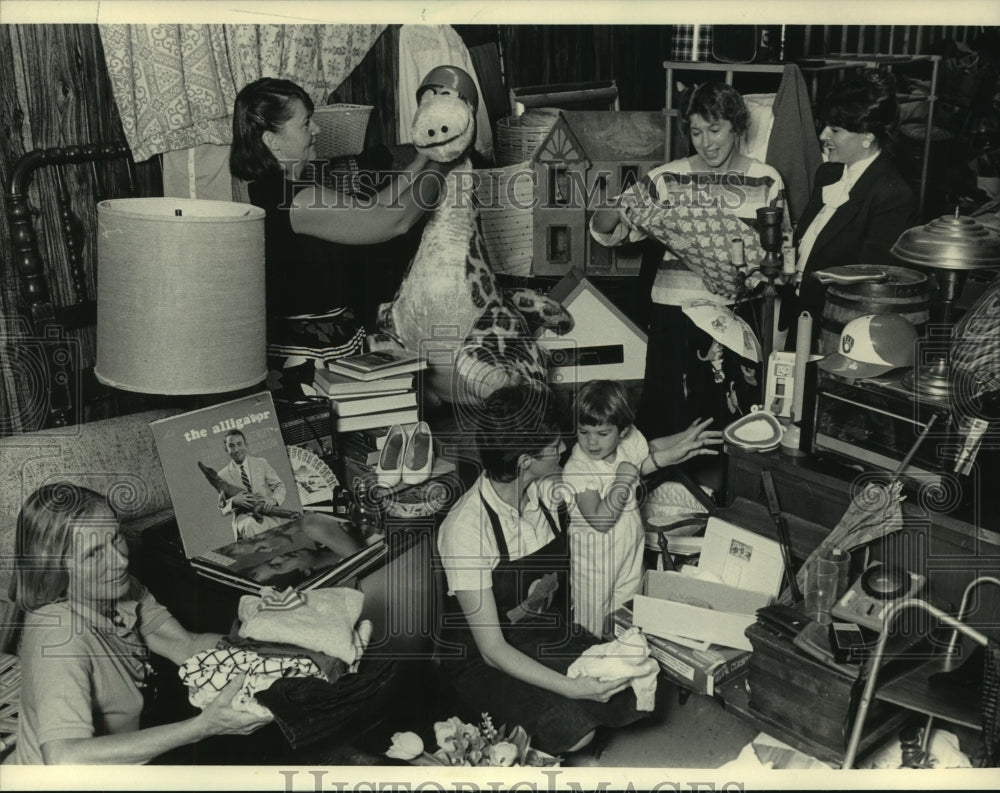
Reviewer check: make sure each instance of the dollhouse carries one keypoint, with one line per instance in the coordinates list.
(589, 157)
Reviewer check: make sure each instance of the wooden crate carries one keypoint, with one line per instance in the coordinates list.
(811, 698)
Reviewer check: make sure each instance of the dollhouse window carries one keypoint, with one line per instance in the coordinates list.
(629, 175)
(558, 185)
(601, 188)
(559, 244)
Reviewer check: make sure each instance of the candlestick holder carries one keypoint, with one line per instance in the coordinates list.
(769, 220)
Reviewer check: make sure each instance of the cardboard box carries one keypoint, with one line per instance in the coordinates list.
(702, 671)
(746, 571)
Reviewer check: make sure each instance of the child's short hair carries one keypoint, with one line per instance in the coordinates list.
(603, 402)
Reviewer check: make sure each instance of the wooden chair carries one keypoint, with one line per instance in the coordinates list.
(52, 320)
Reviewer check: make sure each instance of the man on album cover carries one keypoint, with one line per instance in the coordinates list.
(262, 489)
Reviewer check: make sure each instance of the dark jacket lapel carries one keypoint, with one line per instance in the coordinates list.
(861, 193)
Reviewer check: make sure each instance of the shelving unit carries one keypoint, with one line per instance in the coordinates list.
(813, 68)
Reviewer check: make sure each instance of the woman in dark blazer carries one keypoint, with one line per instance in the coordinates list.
(859, 204)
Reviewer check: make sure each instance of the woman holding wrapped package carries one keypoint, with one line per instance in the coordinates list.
(696, 206)
(86, 641)
(860, 204)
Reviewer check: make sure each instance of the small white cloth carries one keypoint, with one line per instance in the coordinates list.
(625, 657)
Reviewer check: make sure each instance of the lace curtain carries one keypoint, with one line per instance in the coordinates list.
(175, 84)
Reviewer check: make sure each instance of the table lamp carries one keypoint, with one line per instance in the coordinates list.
(950, 247)
(180, 296)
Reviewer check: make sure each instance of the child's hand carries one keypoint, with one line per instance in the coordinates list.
(694, 441)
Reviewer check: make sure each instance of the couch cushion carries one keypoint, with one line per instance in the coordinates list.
(114, 456)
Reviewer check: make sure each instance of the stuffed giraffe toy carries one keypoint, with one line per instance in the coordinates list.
(476, 337)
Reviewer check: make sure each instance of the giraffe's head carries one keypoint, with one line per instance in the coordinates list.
(444, 125)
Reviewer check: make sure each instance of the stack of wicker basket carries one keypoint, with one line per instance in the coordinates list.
(518, 136)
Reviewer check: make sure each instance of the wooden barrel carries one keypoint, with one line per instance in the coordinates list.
(903, 291)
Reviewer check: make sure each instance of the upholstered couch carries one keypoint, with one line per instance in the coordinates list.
(114, 456)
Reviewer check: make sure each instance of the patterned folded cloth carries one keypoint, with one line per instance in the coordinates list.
(208, 672)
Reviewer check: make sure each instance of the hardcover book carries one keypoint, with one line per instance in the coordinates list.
(363, 405)
(379, 364)
(238, 502)
(336, 385)
(382, 419)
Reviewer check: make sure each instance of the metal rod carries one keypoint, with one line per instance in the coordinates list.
(962, 611)
(913, 449)
(876, 662)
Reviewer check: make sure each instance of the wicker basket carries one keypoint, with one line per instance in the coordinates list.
(506, 197)
(341, 129)
(519, 136)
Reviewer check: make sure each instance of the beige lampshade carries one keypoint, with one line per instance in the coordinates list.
(180, 295)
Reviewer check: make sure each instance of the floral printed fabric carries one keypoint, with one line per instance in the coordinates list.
(702, 237)
(175, 84)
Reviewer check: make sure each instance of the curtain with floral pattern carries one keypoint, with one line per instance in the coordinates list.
(175, 84)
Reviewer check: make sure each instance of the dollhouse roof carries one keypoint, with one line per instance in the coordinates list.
(571, 285)
(610, 136)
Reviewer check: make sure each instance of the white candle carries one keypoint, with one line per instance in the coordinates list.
(736, 251)
(803, 346)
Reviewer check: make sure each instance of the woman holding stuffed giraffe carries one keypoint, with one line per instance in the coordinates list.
(318, 281)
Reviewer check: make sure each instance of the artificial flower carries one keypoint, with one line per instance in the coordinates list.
(503, 754)
(405, 746)
(461, 744)
(447, 733)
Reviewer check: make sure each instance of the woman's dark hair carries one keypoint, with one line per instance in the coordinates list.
(515, 420)
(865, 103)
(261, 106)
(44, 539)
(714, 101)
(603, 402)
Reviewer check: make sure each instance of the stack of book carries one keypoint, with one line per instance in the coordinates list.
(371, 391)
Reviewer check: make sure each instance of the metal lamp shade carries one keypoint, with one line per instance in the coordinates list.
(949, 243)
(180, 297)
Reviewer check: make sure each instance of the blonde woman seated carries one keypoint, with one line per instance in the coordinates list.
(88, 632)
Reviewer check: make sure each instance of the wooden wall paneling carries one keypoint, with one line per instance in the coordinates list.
(13, 394)
(373, 82)
(65, 99)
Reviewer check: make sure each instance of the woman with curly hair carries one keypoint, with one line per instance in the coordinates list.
(679, 384)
